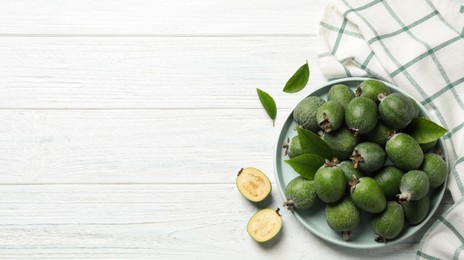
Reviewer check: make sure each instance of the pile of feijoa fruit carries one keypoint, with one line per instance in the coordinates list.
(373, 161)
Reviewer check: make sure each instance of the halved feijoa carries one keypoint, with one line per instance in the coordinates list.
(253, 184)
(264, 225)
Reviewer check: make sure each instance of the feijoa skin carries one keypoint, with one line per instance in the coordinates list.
(404, 151)
(361, 115)
(396, 110)
(416, 211)
(371, 89)
(414, 185)
(330, 183)
(341, 93)
(435, 167)
(300, 194)
(264, 225)
(342, 216)
(415, 105)
(428, 147)
(389, 179)
(342, 142)
(349, 171)
(388, 224)
(368, 157)
(293, 147)
(379, 135)
(330, 116)
(304, 113)
(367, 195)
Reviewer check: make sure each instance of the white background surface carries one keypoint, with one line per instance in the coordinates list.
(124, 124)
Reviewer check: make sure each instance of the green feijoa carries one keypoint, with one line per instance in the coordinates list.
(300, 193)
(404, 151)
(389, 178)
(330, 183)
(379, 135)
(349, 171)
(342, 216)
(361, 115)
(293, 147)
(396, 110)
(415, 105)
(414, 185)
(304, 113)
(330, 116)
(416, 210)
(371, 89)
(388, 224)
(341, 93)
(367, 195)
(342, 142)
(435, 167)
(427, 147)
(368, 157)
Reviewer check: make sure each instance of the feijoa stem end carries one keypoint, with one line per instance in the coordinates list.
(346, 235)
(239, 172)
(289, 204)
(403, 197)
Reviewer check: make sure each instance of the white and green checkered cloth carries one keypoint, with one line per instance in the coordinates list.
(417, 45)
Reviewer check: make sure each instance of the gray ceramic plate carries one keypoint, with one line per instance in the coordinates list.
(314, 219)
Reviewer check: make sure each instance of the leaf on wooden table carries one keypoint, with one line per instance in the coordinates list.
(306, 164)
(311, 143)
(424, 130)
(268, 104)
(299, 80)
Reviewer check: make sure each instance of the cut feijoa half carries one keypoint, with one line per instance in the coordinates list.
(253, 184)
(264, 225)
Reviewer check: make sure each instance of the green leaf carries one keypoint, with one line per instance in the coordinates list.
(268, 103)
(299, 80)
(311, 143)
(306, 164)
(424, 130)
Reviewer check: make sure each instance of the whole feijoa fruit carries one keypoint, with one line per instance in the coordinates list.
(368, 157)
(342, 216)
(371, 89)
(435, 167)
(367, 195)
(388, 224)
(389, 179)
(264, 225)
(396, 110)
(341, 93)
(304, 113)
(293, 147)
(404, 151)
(253, 184)
(361, 115)
(379, 135)
(330, 116)
(416, 210)
(330, 183)
(300, 194)
(349, 171)
(414, 185)
(342, 142)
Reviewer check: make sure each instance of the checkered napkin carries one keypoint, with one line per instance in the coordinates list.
(417, 45)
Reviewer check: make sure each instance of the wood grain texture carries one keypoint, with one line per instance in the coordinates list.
(145, 17)
(76, 73)
(146, 221)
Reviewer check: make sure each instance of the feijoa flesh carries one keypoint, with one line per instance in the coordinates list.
(253, 184)
(404, 151)
(396, 110)
(330, 183)
(367, 195)
(300, 194)
(264, 225)
(388, 224)
(330, 116)
(342, 142)
(304, 113)
(342, 216)
(416, 211)
(340, 93)
(414, 185)
(435, 167)
(361, 115)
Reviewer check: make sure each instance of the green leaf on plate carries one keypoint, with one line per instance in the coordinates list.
(306, 164)
(424, 130)
(311, 143)
(299, 80)
(268, 104)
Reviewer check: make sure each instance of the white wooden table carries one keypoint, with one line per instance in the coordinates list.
(124, 124)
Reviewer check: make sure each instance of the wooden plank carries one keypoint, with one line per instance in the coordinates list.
(75, 73)
(157, 221)
(134, 146)
(147, 17)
